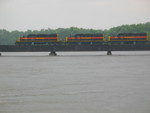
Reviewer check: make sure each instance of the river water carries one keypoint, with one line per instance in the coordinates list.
(79, 82)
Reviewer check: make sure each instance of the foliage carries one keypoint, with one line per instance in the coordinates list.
(9, 38)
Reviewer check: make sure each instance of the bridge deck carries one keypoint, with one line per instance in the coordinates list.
(46, 48)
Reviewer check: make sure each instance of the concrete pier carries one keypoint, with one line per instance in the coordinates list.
(53, 53)
(109, 52)
(0, 54)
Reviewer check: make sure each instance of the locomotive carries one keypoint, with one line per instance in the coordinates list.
(128, 38)
(38, 39)
(53, 39)
(85, 39)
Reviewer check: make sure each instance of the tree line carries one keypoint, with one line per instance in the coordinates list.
(9, 38)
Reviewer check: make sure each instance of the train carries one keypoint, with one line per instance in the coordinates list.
(53, 39)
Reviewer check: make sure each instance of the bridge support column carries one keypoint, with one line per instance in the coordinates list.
(53, 53)
(109, 52)
(0, 54)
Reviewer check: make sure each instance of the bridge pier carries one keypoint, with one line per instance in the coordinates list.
(109, 52)
(53, 53)
(0, 54)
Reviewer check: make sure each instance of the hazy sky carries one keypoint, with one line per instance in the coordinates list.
(96, 14)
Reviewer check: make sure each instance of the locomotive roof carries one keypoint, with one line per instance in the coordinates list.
(42, 35)
(88, 35)
(129, 34)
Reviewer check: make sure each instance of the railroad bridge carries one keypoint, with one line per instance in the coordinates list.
(53, 49)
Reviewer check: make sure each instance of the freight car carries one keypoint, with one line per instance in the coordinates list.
(38, 39)
(85, 39)
(129, 38)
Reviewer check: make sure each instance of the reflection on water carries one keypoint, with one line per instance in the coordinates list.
(75, 82)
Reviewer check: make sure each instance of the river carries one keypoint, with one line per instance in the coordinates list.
(75, 82)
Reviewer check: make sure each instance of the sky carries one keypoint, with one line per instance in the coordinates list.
(25, 15)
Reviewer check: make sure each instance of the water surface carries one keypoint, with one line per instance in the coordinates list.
(79, 82)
